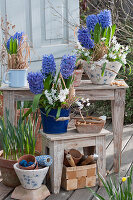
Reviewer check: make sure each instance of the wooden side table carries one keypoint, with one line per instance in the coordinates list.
(55, 144)
(87, 90)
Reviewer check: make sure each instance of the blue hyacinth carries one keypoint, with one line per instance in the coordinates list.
(105, 18)
(91, 22)
(48, 65)
(35, 81)
(85, 39)
(67, 66)
(18, 36)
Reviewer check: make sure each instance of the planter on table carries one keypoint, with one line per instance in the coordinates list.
(94, 71)
(51, 125)
(77, 77)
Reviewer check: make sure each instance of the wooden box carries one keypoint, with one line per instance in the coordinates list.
(78, 177)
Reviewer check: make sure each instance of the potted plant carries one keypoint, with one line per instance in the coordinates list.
(18, 52)
(16, 141)
(85, 123)
(53, 92)
(102, 56)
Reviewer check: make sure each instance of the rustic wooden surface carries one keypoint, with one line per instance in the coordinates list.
(87, 90)
(84, 194)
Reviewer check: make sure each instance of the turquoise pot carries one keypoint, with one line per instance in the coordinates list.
(17, 78)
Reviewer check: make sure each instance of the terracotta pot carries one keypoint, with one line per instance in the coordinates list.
(76, 155)
(28, 158)
(91, 125)
(7, 172)
(77, 77)
(1, 105)
(39, 136)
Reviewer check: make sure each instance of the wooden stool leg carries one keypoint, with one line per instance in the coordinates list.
(118, 106)
(101, 151)
(57, 153)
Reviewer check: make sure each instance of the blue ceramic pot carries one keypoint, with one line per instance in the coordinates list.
(50, 125)
(16, 78)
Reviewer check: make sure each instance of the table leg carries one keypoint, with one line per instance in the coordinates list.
(57, 153)
(10, 104)
(101, 152)
(118, 107)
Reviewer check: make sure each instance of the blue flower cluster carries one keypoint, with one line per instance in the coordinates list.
(91, 22)
(18, 36)
(35, 81)
(67, 66)
(48, 65)
(105, 18)
(85, 39)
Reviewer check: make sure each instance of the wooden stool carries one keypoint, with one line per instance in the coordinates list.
(55, 144)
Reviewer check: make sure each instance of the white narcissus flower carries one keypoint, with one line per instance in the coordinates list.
(88, 104)
(103, 39)
(114, 40)
(105, 56)
(79, 45)
(86, 54)
(111, 55)
(123, 58)
(126, 48)
(117, 46)
(62, 95)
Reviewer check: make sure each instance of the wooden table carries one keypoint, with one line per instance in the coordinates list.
(55, 144)
(87, 90)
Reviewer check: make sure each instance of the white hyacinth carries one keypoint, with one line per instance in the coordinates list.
(62, 95)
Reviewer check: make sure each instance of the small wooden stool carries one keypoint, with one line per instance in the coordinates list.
(55, 144)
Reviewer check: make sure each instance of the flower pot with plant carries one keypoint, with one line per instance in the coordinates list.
(18, 52)
(53, 89)
(87, 124)
(100, 53)
(16, 141)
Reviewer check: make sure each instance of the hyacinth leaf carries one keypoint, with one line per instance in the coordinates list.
(7, 48)
(36, 102)
(58, 112)
(113, 30)
(15, 46)
(68, 82)
(11, 46)
(108, 36)
(47, 83)
(97, 33)
(103, 69)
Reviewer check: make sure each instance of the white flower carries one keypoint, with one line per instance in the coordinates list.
(126, 48)
(111, 55)
(62, 95)
(79, 45)
(114, 40)
(88, 104)
(87, 99)
(80, 105)
(117, 46)
(123, 58)
(83, 100)
(105, 56)
(103, 39)
(48, 96)
(86, 54)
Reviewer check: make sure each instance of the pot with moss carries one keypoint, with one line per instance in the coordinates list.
(16, 141)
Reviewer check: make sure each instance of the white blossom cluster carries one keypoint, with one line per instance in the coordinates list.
(82, 103)
(118, 51)
(52, 96)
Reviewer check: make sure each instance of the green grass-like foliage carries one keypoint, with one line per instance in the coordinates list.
(18, 140)
(120, 191)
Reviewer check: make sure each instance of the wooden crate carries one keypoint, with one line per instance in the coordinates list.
(78, 177)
